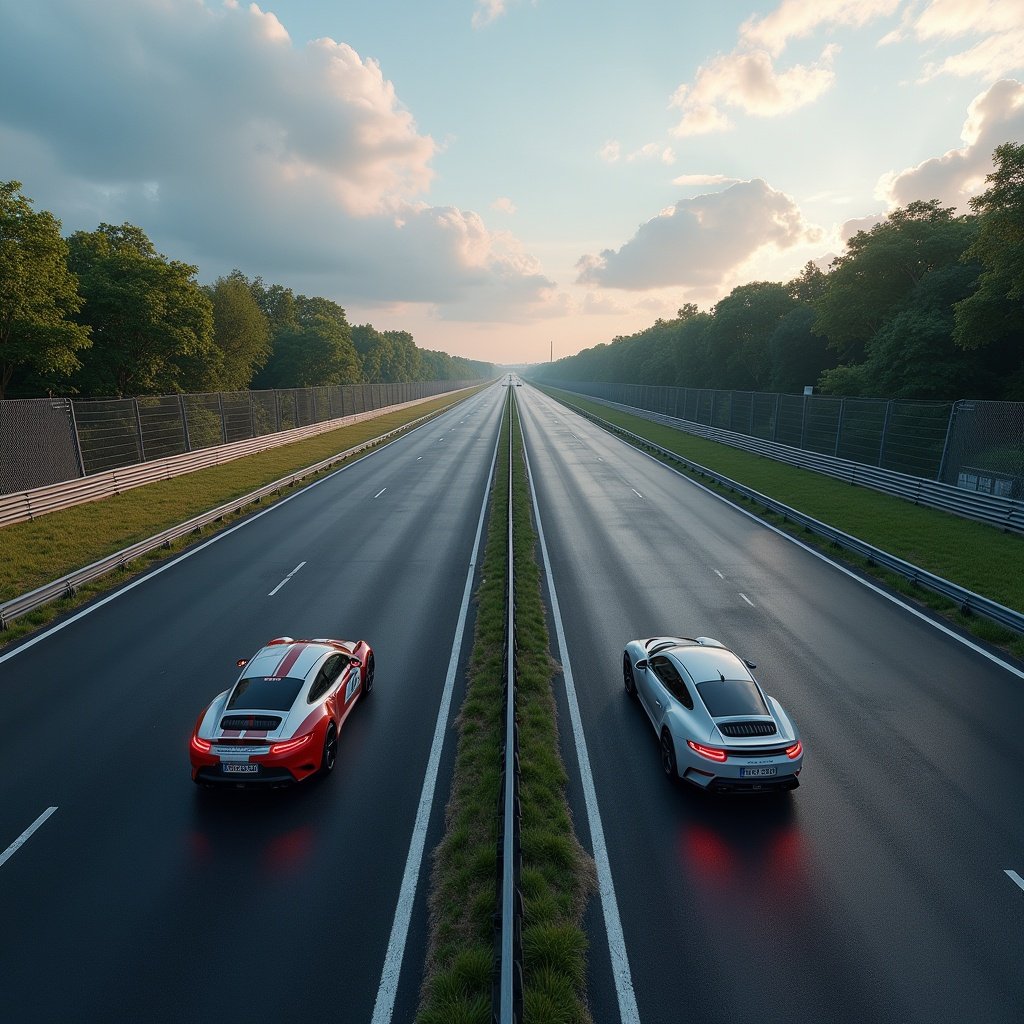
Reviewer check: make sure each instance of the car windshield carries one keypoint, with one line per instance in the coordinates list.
(265, 693)
(725, 697)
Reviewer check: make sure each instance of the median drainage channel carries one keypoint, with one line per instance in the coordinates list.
(510, 880)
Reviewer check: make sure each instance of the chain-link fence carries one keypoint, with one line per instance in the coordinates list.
(47, 441)
(975, 445)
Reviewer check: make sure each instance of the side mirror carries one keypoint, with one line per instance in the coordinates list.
(642, 665)
(354, 662)
(242, 662)
(749, 664)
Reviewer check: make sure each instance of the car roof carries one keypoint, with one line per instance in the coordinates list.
(704, 663)
(288, 657)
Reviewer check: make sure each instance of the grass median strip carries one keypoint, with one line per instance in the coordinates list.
(557, 875)
(971, 554)
(42, 550)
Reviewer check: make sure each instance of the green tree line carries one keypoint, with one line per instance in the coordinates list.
(926, 304)
(103, 314)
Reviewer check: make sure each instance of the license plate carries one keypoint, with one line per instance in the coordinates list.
(243, 768)
(759, 773)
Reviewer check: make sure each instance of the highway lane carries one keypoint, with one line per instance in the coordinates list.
(877, 891)
(144, 899)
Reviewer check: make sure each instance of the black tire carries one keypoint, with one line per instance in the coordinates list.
(368, 681)
(668, 756)
(627, 676)
(330, 754)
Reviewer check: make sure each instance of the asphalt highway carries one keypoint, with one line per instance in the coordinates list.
(144, 899)
(878, 891)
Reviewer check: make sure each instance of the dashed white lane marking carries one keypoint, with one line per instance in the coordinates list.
(418, 457)
(1014, 877)
(384, 1005)
(718, 574)
(25, 836)
(628, 1012)
(637, 493)
(747, 599)
(286, 579)
(380, 492)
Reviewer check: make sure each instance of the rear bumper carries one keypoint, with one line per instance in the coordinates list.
(724, 784)
(214, 775)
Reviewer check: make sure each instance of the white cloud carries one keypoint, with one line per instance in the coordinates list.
(994, 117)
(487, 11)
(504, 205)
(652, 151)
(699, 242)
(997, 25)
(796, 19)
(689, 180)
(850, 227)
(230, 146)
(610, 152)
(749, 82)
(994, 56)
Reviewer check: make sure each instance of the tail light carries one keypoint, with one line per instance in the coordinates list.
(289, 745)
(795, 751)
(711, 753)
(200, 745)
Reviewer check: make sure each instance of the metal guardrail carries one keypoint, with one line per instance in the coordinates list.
(19, 507)
(1006, 513)
(969, 602)
(507, 996)
(69, 584)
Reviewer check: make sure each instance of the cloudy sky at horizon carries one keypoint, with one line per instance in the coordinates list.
(501, 176)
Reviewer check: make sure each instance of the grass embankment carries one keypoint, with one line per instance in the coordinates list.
(557, 875)
(37, 552)
(974, 555)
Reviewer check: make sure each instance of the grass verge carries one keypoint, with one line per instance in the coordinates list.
(974, 555)
(41, 550)
(557, 875)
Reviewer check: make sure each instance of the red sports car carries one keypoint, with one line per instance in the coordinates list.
(280, 721)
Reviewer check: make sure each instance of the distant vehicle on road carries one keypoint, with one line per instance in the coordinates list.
(279, 723)
(716, 727)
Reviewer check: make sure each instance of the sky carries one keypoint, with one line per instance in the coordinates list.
(505, 178)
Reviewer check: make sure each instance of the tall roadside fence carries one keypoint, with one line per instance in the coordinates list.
(976, 446)
(44, 441)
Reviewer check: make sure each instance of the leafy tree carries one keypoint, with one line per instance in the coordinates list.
(797, 356)
(38, 294)
(913, 354)
(992, 318)
(277, 304)
(315, 350)
(811, 285)
(152, 324)
(241, 330)
(872, 280)
(743, 323)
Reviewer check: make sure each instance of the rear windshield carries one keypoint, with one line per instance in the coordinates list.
(265, 693)
(724, 697)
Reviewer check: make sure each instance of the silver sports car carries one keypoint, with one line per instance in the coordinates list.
(717, 728)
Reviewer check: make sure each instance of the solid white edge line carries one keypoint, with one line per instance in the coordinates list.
(200, 547)
(1015, 877)
(621, 974)
(994, 658)
(286, 579)
(25, 836)
(388, 989)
